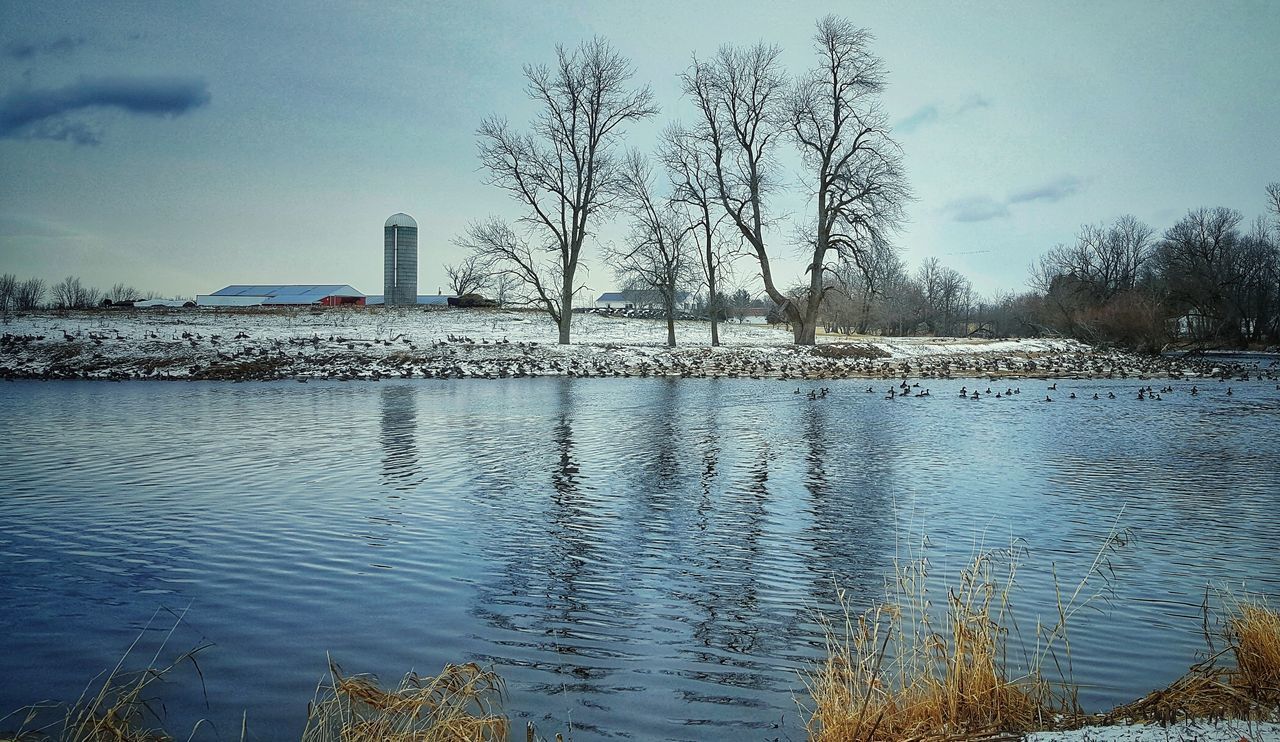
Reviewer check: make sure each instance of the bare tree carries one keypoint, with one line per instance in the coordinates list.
(739, 94)
(121, 292)
(70, 293)
(656, 255)
(468, 276)
(862, 282)
(8, 293)
(1273, 201)
(562, 173)
(29, 294)
(692, 176)
(504, 286)
(1081, 279)
(1198, 258)
(859, 187)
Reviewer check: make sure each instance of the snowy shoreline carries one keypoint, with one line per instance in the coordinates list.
(1194, 730)
(372, 343)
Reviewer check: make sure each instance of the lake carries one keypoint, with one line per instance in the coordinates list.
(641, 558)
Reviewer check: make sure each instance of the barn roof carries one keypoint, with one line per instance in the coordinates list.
(290, 293)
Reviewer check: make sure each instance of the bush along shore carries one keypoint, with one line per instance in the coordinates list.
(372, 344)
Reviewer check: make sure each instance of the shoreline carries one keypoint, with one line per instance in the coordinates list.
(351, 345)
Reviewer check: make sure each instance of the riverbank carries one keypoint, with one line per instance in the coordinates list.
(374, 343)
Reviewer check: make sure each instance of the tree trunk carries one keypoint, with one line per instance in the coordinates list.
(566, 306)
(805, 330)
(670, 302)
(713, 303)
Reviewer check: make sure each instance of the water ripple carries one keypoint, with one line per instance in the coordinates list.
(646, 558)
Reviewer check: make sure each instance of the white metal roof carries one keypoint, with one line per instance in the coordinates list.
(316, 291)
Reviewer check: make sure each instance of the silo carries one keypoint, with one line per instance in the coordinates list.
(400, 261)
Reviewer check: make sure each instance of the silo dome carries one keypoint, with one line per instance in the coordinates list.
(400, 220)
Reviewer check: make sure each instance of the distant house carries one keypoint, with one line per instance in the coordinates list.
(641, 299)
(325, 295)
(750, 315)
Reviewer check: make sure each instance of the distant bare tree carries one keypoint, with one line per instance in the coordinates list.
(1273, 201)
(468, 276)
(862, 283)
(858, 184)
(692, 176)
(562, 173)
(657, 253)
(29, 294)
(70, 293)
(504, 286)
(1199, 261)
(121, 292)
(8, 293)
(1104, 263)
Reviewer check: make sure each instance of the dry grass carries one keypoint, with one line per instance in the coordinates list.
(123, 708)
(1253, 629)
(898, 673)
(1248, 690)
(892, 675)
(461, 704)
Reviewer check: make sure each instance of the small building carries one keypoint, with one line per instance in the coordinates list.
(324, 295)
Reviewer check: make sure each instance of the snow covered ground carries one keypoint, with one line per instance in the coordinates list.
(373, 342)
(1187, 731)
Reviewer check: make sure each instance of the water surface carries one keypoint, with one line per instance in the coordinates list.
(639, 558)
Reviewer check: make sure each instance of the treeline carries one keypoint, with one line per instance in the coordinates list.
(1208, 279)
(69, 293)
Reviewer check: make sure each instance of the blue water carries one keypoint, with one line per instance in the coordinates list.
(637, 558)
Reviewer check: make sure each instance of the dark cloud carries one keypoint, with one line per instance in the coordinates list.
(61, 46)
(47, 113)
(1053, 191)
(976, 209)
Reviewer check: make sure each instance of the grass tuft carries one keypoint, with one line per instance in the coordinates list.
(1253, 628)
(891, 674)
(460, 704)
(1211, 690)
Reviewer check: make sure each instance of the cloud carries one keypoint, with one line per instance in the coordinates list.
(46, 113)
(977, 100)
(976, 209)
(926, 115)
(1053, 191)
(61, 46)
(983, 208)
(935, 112)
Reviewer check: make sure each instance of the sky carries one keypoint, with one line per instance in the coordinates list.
(181, 147)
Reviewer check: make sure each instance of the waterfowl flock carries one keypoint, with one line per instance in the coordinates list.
(209, 346)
